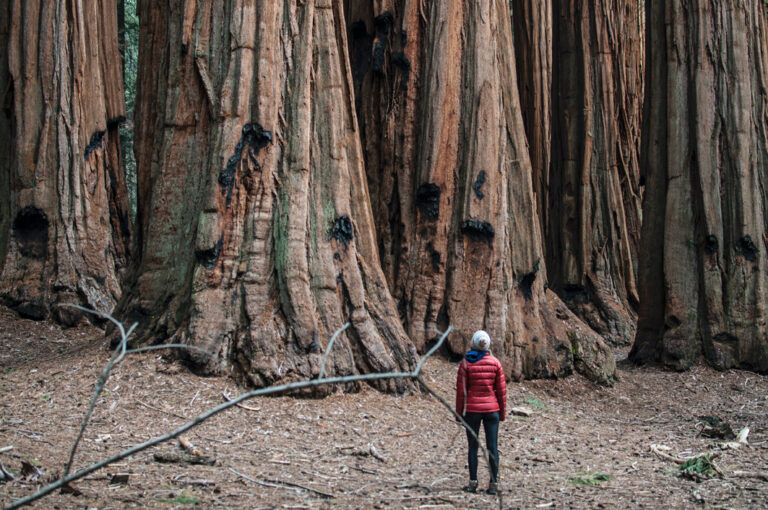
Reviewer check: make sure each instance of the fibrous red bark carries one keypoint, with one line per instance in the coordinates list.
(703, 278)
(594, 193)
(257, 238)
(5, 132)
(532, 23)
(447, 161)
(64, 227)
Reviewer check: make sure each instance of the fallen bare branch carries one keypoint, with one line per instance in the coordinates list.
(64, 481)
(201, 482)
(116, 358)
(261, 482)
(272, 390)
(660, 451)
(282, 485)
(762, 475)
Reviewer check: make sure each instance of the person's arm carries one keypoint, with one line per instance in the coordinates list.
(460, 385)
(501, 392)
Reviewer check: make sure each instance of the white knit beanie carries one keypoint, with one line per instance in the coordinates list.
(481, 341)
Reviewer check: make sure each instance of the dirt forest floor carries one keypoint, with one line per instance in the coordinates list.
(303, 453)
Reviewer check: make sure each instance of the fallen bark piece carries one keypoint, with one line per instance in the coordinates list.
(119, 479)
(741, 440)
(522, 411)
(189, 447)
(177, 457)
(70, 489)
(742, 437)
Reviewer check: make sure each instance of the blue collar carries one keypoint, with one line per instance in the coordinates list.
(473, 356)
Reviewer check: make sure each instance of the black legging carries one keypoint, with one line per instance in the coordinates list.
(491, 425)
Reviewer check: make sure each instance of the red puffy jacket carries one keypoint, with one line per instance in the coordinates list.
(481, 388)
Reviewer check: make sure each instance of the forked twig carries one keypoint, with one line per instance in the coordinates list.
(117, 356)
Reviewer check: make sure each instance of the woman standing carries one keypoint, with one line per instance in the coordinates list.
(481, 397)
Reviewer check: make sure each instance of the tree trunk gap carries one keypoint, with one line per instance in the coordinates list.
(703, 275)
(64, 224)
(448, 167)
(256, 234)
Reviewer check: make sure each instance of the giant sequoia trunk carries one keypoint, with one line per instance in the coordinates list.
(447, 161)
(532, 23)
(64, 227)
(594, 199)
(703, 275)
(257, 234)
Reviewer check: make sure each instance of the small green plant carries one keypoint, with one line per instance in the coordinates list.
(185, 500)
(590, 479)
(535, 402)
(181, 499)
(698, 466)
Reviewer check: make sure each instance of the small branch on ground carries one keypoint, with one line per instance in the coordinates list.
(241, 406)
(761, 475)
(278, 484)
(660, 451)
(375, 454)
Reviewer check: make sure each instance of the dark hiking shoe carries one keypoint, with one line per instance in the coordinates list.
(472, 487)
(493, 489)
